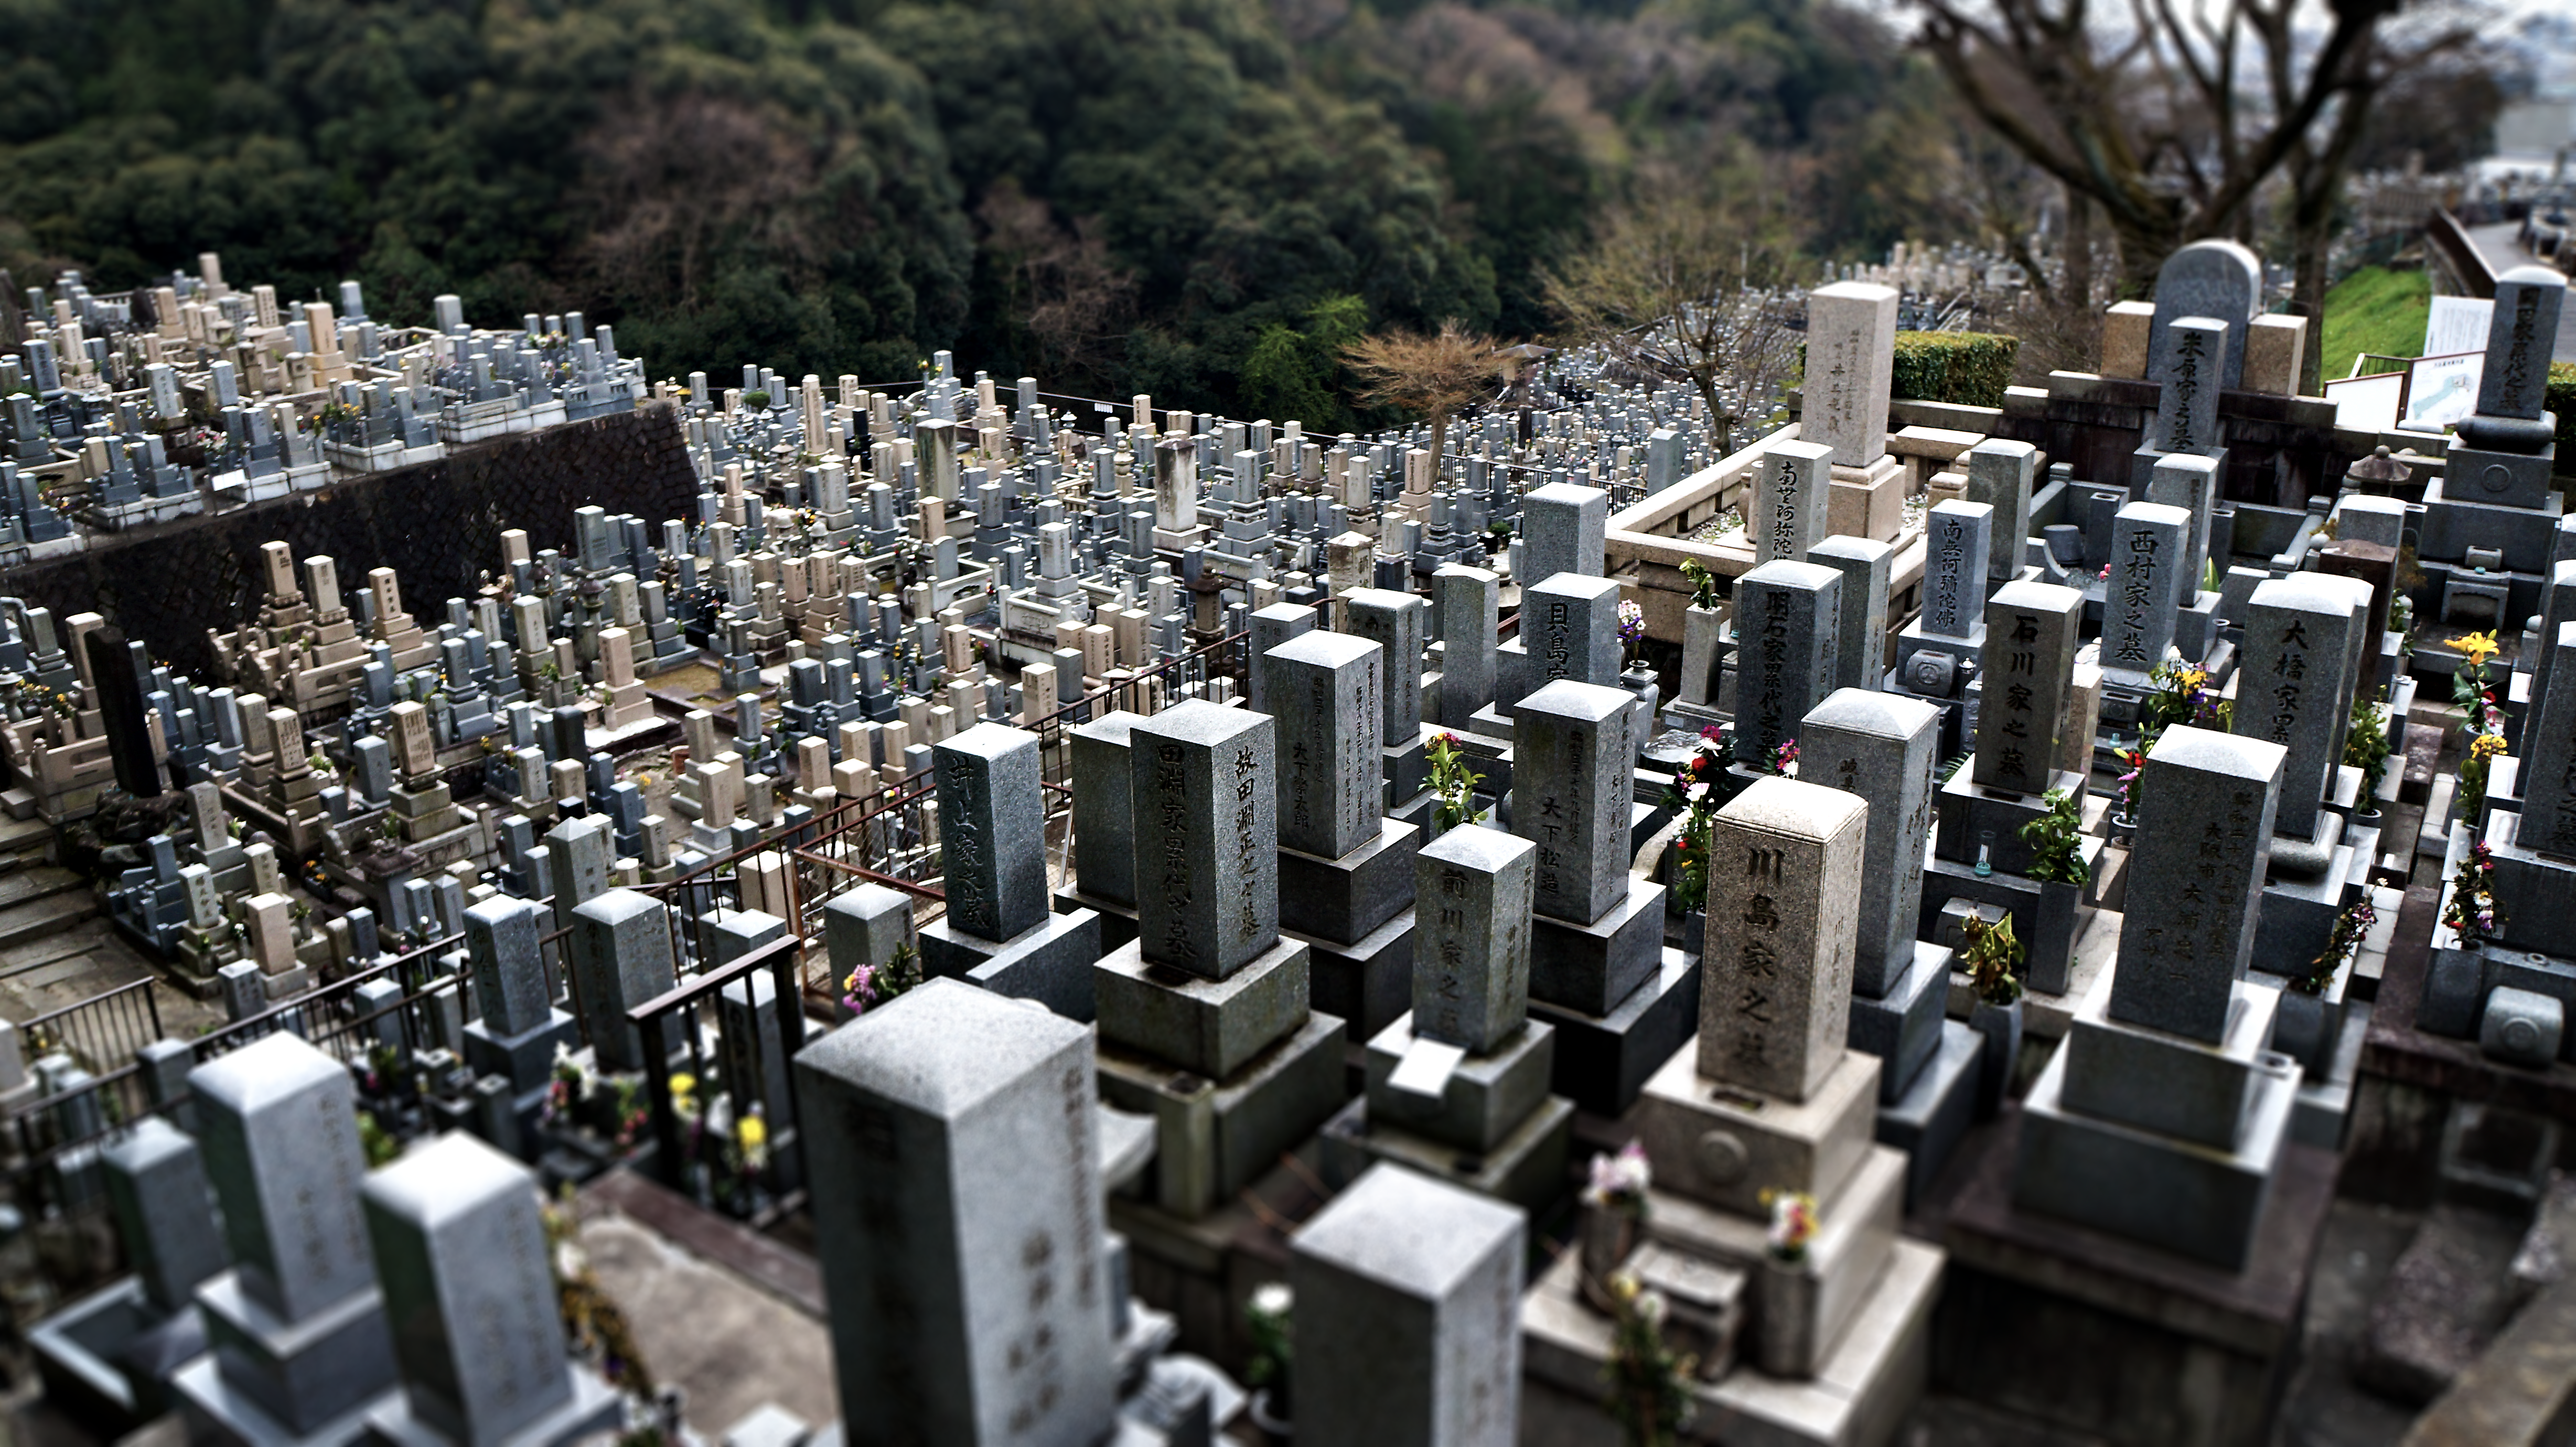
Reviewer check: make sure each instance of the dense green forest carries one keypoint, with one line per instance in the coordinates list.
(1196, 198)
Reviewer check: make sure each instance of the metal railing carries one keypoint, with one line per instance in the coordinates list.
(683, 1141)
(102, 1032)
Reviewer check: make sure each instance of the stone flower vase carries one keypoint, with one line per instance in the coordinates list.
(1267, 1414)
(2052, 937)
(1999, 1026)
(2299, 1029)
(1784, 1328)
(1606, 1235)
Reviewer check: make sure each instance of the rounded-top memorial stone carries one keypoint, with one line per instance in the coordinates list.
(2522, 334)
(2221, 280)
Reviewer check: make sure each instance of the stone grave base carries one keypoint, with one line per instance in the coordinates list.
(1195, 1024)
(1867, 501)
(2298, 915)
(1408, 771)
(313, 1369)
(1117, 921)
(1049, 962)
(2196, 1200)
(594, 1407)
(1860, 1393)
(1971, 816)
(1928, 1121)
(527, 1059)
(2101, 1335)
(1213, 1137)
(1491, 722)
(1728, 1147)
(1798, 1316)
(1526, 1167)
(1486, 1097)
(1604, 1061)
(1904, 1028)
(1592, 966)
(103, 1358)
(219, 1414)
(1367, 983)
(2325, 1096)
(1345, 898)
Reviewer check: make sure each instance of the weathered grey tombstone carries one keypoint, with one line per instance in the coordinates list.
(478, 1336)
(1570, 625)
(1271, 627)
(1571, 794)
(621, 957)
(1860, 634)
(516, 1035)
(998, 932)
(1207, 863)
(2206, 803)
(2294, 684)
(1851, 361)
(2032, 630)
(863, 925)
(1792, 492)
(1408, 1316)
(1330, 801)
(1958, 537)
(754, 1057)
(1469, 598)
(1562, 527)
(2217, 279)
(2548, 822)
(2196, 349)
(1879, 747)
(1471, 971)
(956, 1189)
(2188, 481)
(2520, 342)
(584, 851)
(992, 830)
(2148, 544)
(1784, 865)
(298, 1324)
(1395, 622)
(1104, 820)
(2001, 474)
(1787, 650)
(165, 1212)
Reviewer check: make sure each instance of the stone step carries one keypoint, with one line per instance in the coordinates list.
(23, 842)
(36, 882)
(42, 917)
(2522, 1392)
(2445, 1299)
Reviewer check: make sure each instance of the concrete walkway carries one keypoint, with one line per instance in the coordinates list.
(2502, 252)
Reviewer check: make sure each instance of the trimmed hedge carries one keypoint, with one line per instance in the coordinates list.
(2561, 395)
(1968, 369)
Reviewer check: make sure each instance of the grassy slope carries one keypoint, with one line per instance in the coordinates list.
(2374, 310)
